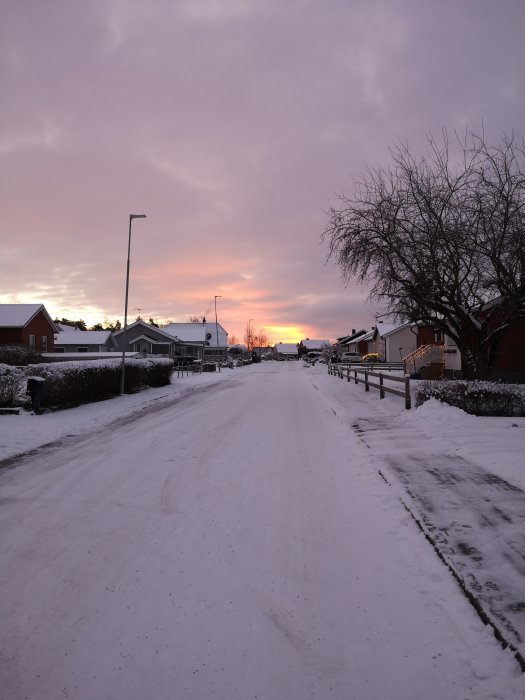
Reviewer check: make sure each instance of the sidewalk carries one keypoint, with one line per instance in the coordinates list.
(462, 478)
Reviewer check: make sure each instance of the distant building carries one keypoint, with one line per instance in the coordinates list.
(308, 345)
(204, 334)
(73, 340)
(286, 351)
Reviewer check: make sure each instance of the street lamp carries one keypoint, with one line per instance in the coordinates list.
(217, 296)
(123, 367)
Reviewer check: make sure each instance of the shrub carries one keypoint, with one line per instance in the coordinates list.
(479, 398)
(11, 380)
(75, 382)
(18, 355)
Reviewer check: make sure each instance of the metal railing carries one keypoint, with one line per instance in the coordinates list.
(350, 372)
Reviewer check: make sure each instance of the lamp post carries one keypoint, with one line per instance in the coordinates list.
(123, 367)
(217, 296)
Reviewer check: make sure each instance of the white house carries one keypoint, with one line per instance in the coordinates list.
(286, 351)
(400, 341)
(205, 334)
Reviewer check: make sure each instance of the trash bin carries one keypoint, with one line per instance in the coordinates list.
(35, 387)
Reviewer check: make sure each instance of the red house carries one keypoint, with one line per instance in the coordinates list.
(27, 324)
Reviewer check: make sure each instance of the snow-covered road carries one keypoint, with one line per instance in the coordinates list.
(236, 543)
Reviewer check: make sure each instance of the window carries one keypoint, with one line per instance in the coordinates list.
(44, 343)
(31, 341)
(82, 349)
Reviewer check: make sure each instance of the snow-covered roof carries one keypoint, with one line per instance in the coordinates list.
(397, 327)
(384, 328)
(286, 348)
(366, 336)
(344, 339)
(19, 315)
(188, 332)
(76, 337)
(315, 344)
(199, 332)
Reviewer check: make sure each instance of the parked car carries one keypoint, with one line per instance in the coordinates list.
(351, 357)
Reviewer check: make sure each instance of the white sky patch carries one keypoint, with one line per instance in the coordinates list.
(210, 10)
(185, 174)
(48, 136)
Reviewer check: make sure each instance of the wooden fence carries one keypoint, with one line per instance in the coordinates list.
(355, 373)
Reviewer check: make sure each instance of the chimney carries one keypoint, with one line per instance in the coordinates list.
(353, 331)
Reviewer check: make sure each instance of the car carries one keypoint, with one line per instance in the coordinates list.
(351, 357)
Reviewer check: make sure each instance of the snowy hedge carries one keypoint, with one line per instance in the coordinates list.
(70, 383)
(481, 398)
(11, 380)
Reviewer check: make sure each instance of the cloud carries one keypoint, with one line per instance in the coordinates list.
(231, 125)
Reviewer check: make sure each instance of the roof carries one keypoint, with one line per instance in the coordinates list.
(188, 332)
(153, 329)
(315, 344)
(397, 328)
(74, 337)
(149, 339)
(384, 328)
(19, 315)
(344, 339)
(198, 332)
(287, 348)
(366, 336)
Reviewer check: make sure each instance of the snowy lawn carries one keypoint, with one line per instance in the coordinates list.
(229, 537)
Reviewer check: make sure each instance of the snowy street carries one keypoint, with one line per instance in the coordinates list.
(234, 540)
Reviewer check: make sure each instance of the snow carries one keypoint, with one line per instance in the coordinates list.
(76, 337)
(498, 444)
(17, 315)
(229, 536)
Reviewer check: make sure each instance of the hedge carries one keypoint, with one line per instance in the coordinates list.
(479, 398)
(76, 382)
(18, 355)
(11, 380)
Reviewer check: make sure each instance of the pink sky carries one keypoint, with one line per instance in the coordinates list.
(231, 124)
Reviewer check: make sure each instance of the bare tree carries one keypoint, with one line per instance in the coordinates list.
(441, 238)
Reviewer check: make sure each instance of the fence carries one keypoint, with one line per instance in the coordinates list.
(348, 370)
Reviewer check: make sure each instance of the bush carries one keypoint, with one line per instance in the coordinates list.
(11, 380)
(481, 398)
(18, 355)
(72, 383)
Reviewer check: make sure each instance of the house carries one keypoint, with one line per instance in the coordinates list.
(377, 343)
(349, 343)
(343, 343)
(150, 340)
(74, 340)
(506, 363)
(308, 345)
(286, 351)
(28, 325)
(211, 338)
